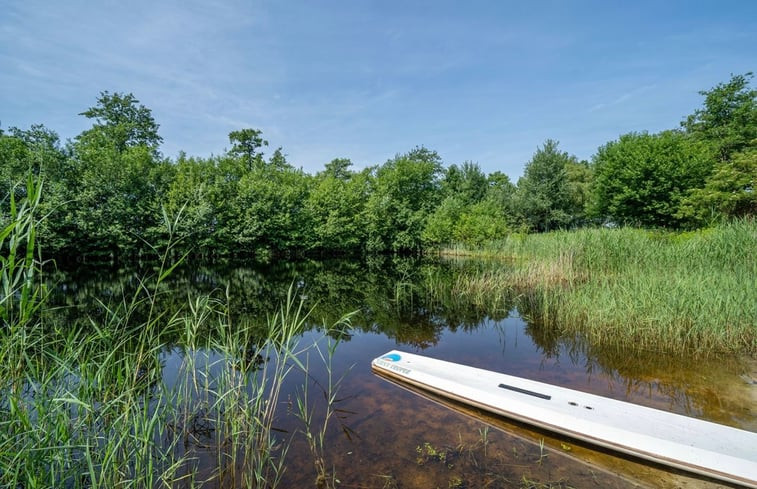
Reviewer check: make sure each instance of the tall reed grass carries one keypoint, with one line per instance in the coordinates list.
(654, 290)
(96, 408)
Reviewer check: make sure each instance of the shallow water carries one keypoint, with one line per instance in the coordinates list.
(388, 437)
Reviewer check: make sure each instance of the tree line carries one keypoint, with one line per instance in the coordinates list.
(110, 192)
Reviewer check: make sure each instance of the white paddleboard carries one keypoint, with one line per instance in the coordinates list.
(691, 444)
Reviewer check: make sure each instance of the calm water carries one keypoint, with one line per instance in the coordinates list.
(388, 437)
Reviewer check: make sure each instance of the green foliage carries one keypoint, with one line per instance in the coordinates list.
(545, 198)
(114, 181)
(338, 168)
(37, 151)
(474, 210)
(728, 124)
(728, 119)
(730, 191)
(259, 209)
(468, 183)
(120, 122)
(107, 191)
(440, 227)
(641, 178)
(188, 193)
(502, 191)
(245, 144)
(481, 223)
(579, 177)
(117, 202)
(474, 224)
(271, 207)
(336, 205)
(19, 290)
(405, 192)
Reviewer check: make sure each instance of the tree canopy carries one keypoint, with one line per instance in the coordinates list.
(641, 178)
(110, 192)
(728, 118)
(121, 121)
(545, 196)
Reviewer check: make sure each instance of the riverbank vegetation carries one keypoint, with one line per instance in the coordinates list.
(105, 191)
(646, 290)
(639, 237)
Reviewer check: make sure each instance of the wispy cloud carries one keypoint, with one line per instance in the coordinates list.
(623, 97)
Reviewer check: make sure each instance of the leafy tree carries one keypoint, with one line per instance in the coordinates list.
(278, 160)
(728, 119)
(442, 223)
(37, 150)
(338, 168)
(579, 177)
(336, 205)
(116, 207)
(405, 192)
(475, 211)
(245, 144)
(189, 193)
(642, 178)
(502, 191)
(730, 191)
(116, 179)
(121, 122)
(544, 200)
(467, 182)
(261, 210)
(480, 223)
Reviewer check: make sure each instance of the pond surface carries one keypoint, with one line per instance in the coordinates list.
(388, 437)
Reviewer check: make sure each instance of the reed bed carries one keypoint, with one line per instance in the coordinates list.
(96, 408)
(653, 290)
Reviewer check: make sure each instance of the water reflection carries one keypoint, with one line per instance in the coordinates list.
(412, 304)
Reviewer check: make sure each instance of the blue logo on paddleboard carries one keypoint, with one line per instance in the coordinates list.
(392, 357)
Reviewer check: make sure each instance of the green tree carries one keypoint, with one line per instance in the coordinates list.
(579, 179)
(641, 178)
(480, 223)
(116, 179)
(336, 205)
(338, 168)
(245, 144)
(262, 210)
(502, 191)
(468, 182)
(475, 210)
(544, 200)
(116, 206)
(730, 191)
(728, 119)
(37, 150)
(405, 192)
(189, 193)
(121, 122)
(441, 225)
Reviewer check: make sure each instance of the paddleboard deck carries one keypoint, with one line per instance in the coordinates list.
(702, 447)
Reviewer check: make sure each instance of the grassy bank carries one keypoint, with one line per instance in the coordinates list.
(652, 290)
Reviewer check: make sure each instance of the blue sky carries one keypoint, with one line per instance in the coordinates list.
(483, 81)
